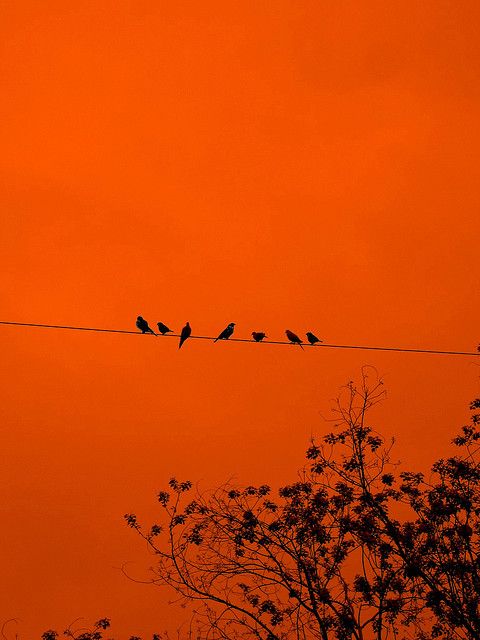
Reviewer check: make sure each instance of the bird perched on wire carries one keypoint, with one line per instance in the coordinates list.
(163, 328)
(294, 339)
(186, 332)
(312, 338)
(143, 326)
(226, 333)
(258, 336)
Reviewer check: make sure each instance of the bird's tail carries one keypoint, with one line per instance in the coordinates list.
(300, 345)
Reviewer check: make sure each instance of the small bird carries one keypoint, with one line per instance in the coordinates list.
(186, 332)
(143, 326)
(294, 339)
(226, 333)
(258, 336)
(163, 328)
(312, 338)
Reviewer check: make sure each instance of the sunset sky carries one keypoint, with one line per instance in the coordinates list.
(310, 165)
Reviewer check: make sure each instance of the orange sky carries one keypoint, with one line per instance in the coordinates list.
(310, 165)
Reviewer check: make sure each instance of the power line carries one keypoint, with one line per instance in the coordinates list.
(176, 335)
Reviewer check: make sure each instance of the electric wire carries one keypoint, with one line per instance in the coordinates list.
(275, 342)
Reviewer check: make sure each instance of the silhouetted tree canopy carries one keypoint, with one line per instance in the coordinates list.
(356, 548)
(95, 632)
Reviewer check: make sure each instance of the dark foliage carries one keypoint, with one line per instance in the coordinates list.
(355, 548)
(83, 633)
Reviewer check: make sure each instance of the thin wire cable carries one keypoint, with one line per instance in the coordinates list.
(177, 335)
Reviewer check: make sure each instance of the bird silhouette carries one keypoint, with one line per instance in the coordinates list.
(294, 339)
(142, 324)
(226, 333)
(312, 338)
(258, 336)
(186, 332)
(163, 328)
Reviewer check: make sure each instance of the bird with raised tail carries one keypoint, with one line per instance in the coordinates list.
(258, 336)
(294, 339)
(142, 324)
(226, 333)
(186, 333)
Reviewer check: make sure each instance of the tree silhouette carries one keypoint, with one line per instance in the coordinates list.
(82, 633)
(441, 546)
(355, 548)
(87, 633)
